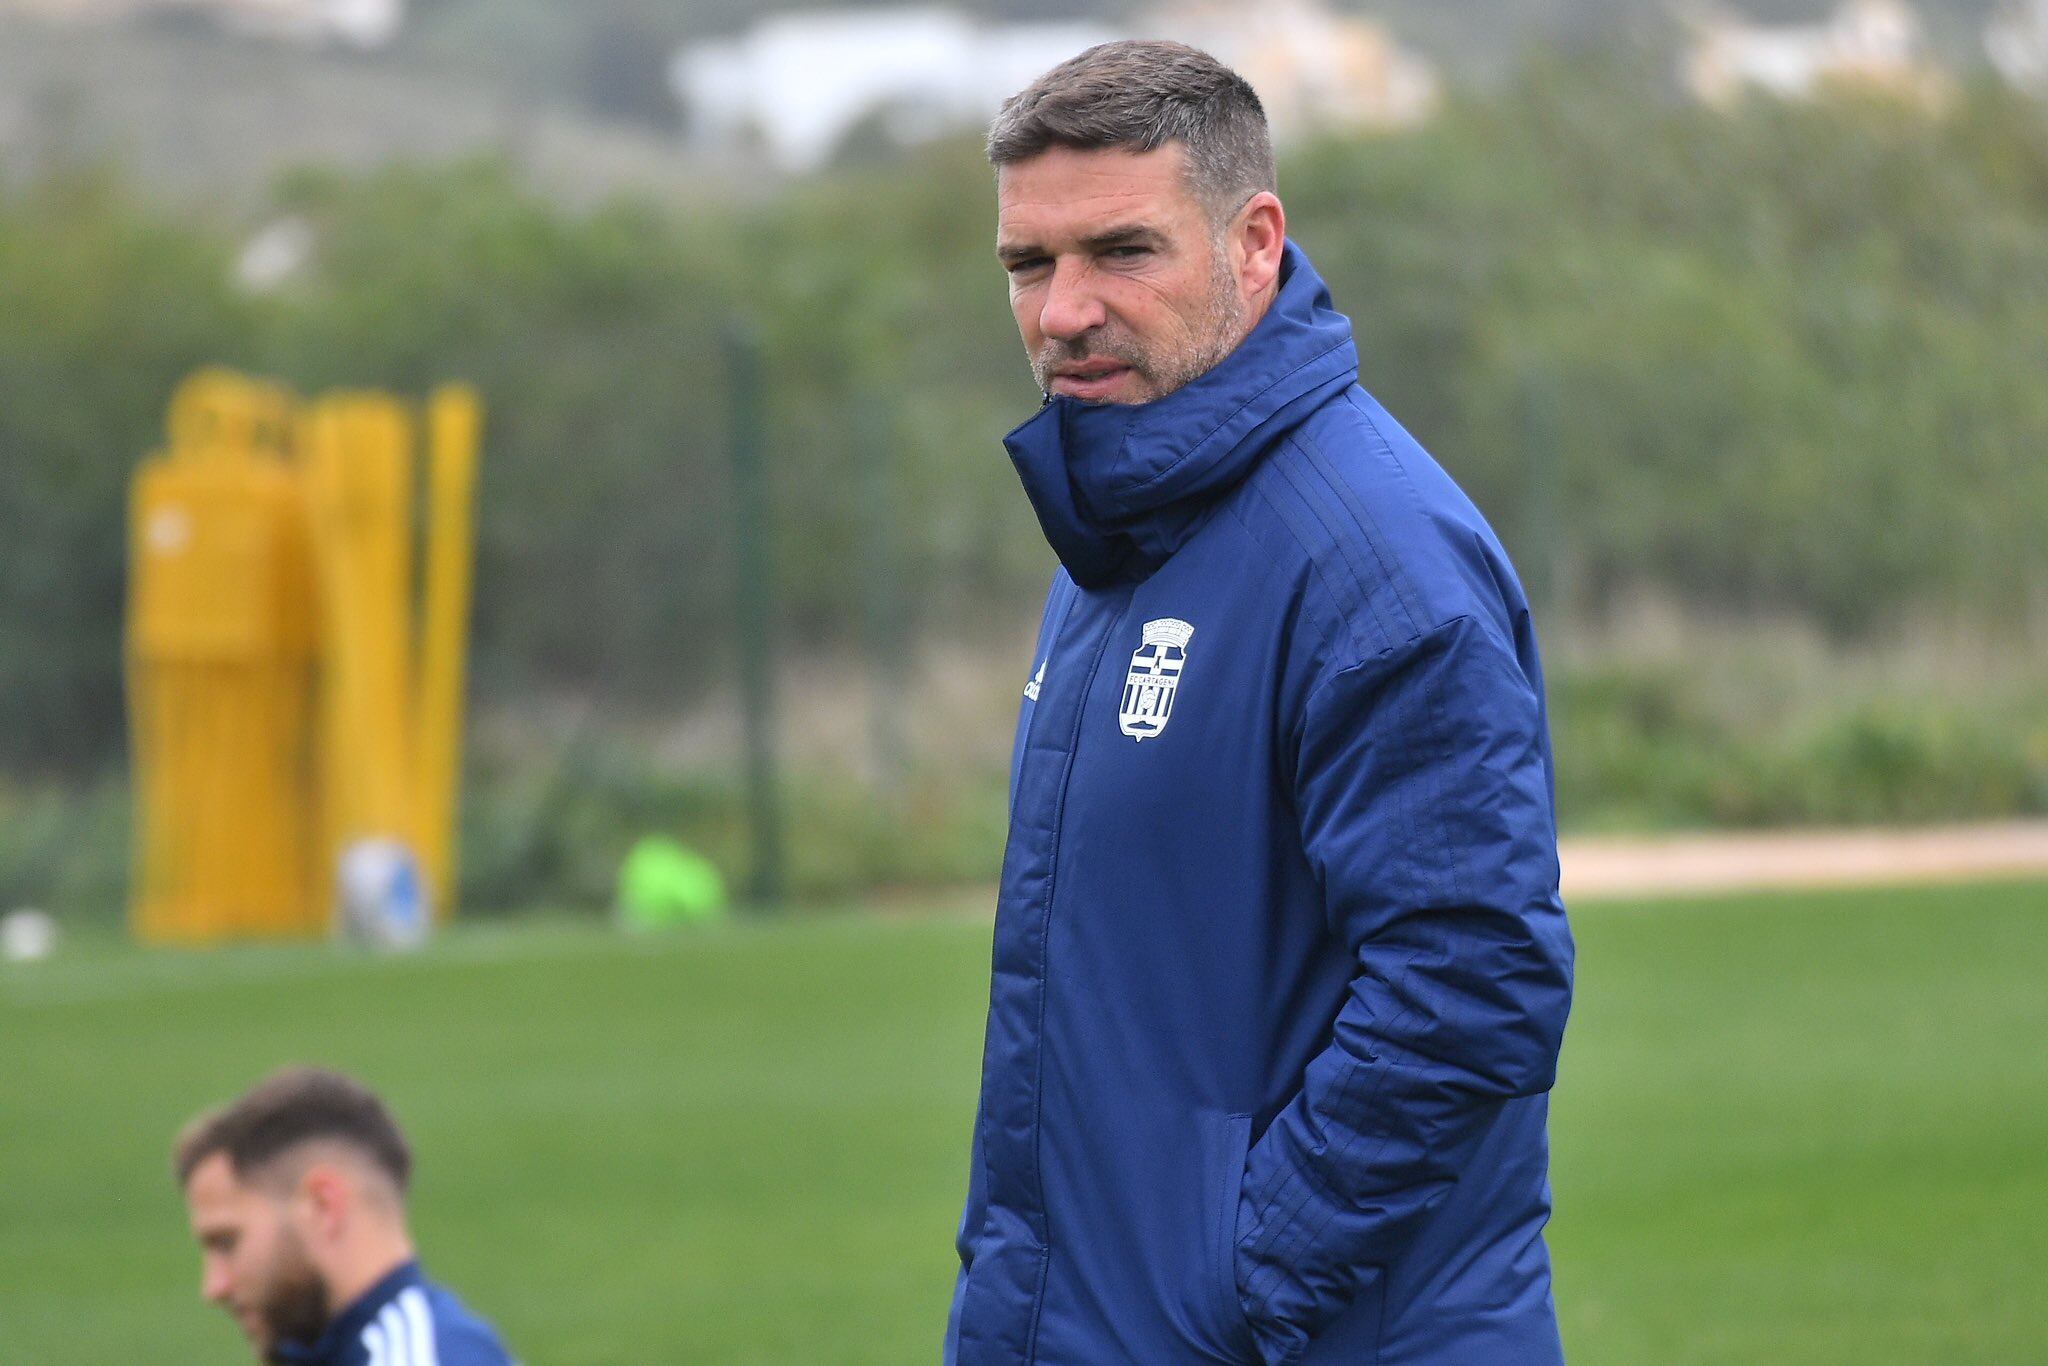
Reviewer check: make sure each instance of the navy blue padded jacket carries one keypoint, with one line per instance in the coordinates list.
(1280, 966)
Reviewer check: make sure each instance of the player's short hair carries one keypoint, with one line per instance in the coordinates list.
(288, 1110)
(1140, 95)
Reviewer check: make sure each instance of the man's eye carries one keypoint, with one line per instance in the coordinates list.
(1025, 265)
(1129, 253)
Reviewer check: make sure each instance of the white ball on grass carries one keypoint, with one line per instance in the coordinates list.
(27, 935)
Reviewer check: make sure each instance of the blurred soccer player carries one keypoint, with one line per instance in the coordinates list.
(297, 1197)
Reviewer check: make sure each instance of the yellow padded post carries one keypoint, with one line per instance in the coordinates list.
(276, 711)
(454, 426)
(219, 664)
(358, 469)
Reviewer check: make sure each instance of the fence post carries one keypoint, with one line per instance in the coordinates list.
(881, 589)
(1543, 468)
(755, 601)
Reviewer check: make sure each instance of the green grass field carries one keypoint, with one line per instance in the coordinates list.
(1788, 1130)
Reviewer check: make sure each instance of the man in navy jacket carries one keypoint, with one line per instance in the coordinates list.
(1280, 969)
(297, 1198)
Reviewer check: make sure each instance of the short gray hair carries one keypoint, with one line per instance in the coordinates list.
(1141, 95)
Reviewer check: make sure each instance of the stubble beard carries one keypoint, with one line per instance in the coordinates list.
(1200, 348)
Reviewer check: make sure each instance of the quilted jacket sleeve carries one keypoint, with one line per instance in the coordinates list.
(1424, 794)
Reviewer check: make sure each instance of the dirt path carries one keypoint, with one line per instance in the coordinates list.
(1595, 868)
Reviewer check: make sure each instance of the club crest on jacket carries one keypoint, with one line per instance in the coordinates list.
(1154, 677)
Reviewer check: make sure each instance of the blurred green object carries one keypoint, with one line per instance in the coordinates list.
(662, 884)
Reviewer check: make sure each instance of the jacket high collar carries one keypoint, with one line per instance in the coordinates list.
(347, 1325)
(1118, 487)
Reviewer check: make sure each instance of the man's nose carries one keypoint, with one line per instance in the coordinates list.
(1071, 306)
(214, 1281)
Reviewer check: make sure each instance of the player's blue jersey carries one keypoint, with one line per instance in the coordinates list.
(402, 1320)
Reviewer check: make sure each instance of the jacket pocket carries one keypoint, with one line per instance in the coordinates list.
(1228, 1145)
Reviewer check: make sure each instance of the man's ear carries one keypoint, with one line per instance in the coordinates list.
(1258, 236)
(325, 1198)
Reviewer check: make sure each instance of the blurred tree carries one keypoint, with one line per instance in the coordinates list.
(1793, 358)
(594, 340)
(104, 305)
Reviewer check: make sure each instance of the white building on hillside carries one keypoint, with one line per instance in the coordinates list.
(797, 84)
(2016, 40)
(361, 24)
(1869, 43)
(1312, 68)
